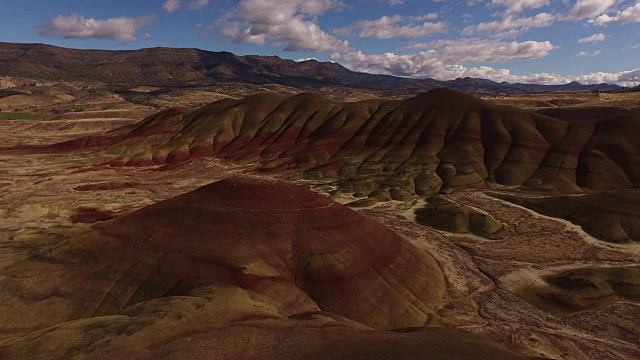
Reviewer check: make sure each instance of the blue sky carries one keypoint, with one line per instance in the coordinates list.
(538, 41)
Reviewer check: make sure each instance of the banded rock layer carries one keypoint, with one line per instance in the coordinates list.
(442, 140)
(294, 249)
(244, 268)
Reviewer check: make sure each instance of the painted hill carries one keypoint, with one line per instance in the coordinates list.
(244, 263)
(440, 141)
(612, 216)
(192, 67)
(277, 239)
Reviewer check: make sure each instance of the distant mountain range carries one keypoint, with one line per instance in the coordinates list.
(634, 89)
(176, 67)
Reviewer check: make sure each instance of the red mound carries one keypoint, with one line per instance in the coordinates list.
(272, 237)
(245, 264)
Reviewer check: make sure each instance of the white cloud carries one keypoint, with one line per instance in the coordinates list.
(288, 21)
(623, 78)
(509, 26)
(464, 51)
(423, 64)
(590, 8)
(630, 77)
(599, 37)
(428, 16)
(426, 64)
(629, 15)
(445, 59)
(171, 6)
(593, 53)
(121, 29)
(393, 2)
(514, 7)
(429, 64)
(388, 27)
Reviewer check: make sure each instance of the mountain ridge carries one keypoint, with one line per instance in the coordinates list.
(185, 67)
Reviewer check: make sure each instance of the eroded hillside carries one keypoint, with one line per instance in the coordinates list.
(475, 231)
(390, 150)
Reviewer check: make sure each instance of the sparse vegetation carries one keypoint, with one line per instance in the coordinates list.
(22, 116)
(142, 98)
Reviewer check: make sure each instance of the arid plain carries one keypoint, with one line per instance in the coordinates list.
(339, 224)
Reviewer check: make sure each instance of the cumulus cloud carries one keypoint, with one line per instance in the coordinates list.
(590, 8)
(623, 78)
(514, 7)
(121, 29)
(429, 64)
(389, 27)
(423, 64)
(630, 14)
(445, 59)
(290, 22)
(171, 6)
(464, 51)
(393, 2)
(586, 53)
(629, 78)
(426, 64)
(599, 37)
(509, 26)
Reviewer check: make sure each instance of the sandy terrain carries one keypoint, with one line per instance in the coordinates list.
(27, 95)
(574, 99)
(22, 94)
